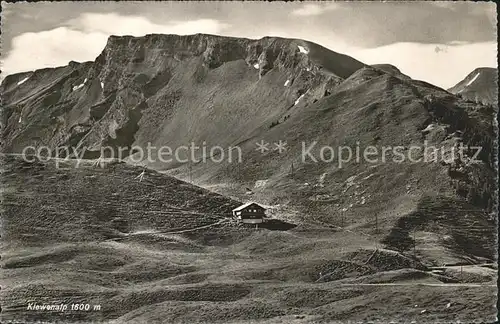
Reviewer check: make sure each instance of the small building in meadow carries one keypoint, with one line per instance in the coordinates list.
(250, 213)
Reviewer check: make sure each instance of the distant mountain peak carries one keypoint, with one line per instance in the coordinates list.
(479, 85)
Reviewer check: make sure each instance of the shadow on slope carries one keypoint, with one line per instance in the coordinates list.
(466, 229)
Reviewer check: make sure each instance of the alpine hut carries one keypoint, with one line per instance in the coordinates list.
(250, 213)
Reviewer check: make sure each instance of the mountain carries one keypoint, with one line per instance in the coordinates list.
(228, 92)
(479, 85)
(292, 110)
(120, 93)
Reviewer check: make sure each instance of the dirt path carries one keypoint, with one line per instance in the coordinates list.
(153, 232)
(195, 228)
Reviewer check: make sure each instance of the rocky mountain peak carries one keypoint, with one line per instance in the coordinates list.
(263, 54)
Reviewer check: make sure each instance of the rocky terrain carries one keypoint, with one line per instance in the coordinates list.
(387, 222)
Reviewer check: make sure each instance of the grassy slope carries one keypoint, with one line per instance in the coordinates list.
(68, 243)
(94, 201)
(369, 108)
(174, 98)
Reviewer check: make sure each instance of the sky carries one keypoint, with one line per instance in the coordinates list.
(436, 41)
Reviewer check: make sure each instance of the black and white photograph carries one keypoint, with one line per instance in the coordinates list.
(248, 162)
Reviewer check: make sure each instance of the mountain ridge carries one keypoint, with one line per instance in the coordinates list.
(173, 90)
(206, 55)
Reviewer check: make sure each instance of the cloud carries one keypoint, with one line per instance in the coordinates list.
(313, 9)
(113, 24)
(443, 65)
(82, 39)
(51, 48)
(443, 68)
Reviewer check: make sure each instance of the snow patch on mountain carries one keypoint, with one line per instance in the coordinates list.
(298, 99)
(473, 79)
(256, 65)
(80, 85)
(102, 85)
(22, 81)
(302, 49)
(287, 83)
